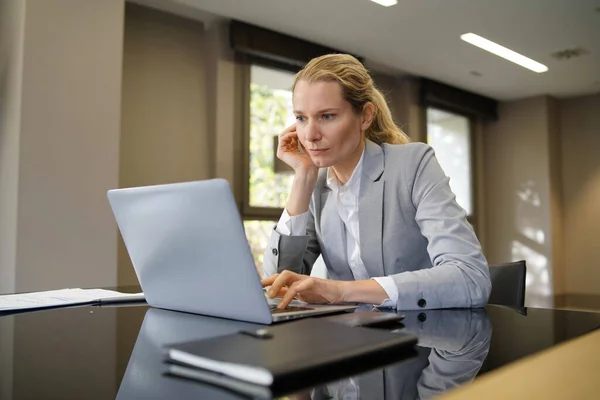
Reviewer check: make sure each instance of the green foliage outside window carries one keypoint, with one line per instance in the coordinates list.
(270, 111)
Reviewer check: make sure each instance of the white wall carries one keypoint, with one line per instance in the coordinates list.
(580, 138)
(68, 146)
(12, 21)
(518, 179)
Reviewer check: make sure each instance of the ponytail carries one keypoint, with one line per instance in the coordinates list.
(383, 129)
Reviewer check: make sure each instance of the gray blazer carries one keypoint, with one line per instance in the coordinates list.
(410, 228)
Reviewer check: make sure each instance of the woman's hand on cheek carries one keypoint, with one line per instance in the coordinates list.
(292, 152)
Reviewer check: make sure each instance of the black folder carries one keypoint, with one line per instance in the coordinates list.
(281, 357)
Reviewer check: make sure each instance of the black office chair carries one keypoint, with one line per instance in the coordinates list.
(508, 284)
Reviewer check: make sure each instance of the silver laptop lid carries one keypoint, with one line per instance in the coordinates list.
(189, 250)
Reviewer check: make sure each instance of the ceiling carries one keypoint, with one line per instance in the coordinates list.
(421, 37)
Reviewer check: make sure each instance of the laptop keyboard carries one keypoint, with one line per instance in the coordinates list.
(275, 310)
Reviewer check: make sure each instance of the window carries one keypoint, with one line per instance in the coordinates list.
(450, 136)
(268, 183)
(258, 233)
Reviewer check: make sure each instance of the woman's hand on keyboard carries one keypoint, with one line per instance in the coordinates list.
(288, 285)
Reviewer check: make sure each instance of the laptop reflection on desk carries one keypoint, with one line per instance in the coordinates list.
(144, 376)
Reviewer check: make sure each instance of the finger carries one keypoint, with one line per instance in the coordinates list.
(281, 293)
(286, 145)
(291, 128)
(286, 278)
(268, 281)
(288, 139)
(295, 289)
(285, 134)
(289, 296)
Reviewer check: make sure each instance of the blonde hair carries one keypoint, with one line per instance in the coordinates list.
(358, 89)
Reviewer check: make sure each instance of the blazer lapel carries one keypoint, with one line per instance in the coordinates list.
(370, 210)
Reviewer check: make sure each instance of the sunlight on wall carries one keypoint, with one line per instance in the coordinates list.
(530, 242)
(538, 278)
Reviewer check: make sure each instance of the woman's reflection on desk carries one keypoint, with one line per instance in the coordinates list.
(453, 345)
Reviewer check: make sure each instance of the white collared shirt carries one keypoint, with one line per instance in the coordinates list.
(346, 200)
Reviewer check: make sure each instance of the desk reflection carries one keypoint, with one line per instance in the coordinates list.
(144, 377)
(453, 345)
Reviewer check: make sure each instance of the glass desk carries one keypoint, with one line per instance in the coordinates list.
(118, 352)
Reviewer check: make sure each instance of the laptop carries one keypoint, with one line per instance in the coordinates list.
(189, 250)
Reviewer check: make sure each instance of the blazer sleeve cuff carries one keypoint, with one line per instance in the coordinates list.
(439, 287)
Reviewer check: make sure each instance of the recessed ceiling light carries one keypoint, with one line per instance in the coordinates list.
(386, 3)
(503, 52)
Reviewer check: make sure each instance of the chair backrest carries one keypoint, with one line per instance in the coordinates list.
(508, 284)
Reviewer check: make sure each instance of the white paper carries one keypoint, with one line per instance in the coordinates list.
(64, 297)
(248, 373)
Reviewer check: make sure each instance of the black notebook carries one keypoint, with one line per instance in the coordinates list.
(280, 355)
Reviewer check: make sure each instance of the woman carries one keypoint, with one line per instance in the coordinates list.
(379, 210)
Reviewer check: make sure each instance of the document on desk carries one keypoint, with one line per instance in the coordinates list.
(65, 297)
